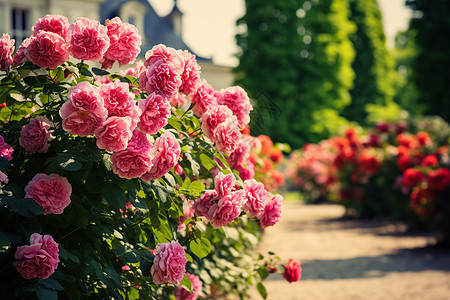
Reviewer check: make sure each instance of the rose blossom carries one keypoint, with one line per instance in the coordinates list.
(205, 206)
(412, 177)
(167, 54)
(39, 259)
(272, 212)
(6, 51)
(87, 39)
(52, 23)
(203, 98)
(169, 265)
(439, 179)
(162, 77)
(191, 72)
(228, 209)
(6, 150)
(292, 271)
(47, 50)
(155, 113)
(213, 117)
(119, 101)
(52, 192)
(34, 137)
(430, 160)
(181, 293)
(257, 198)
(125, 43)
(237, 100)
(3, 177)
(114, 134)
(21, 55)
(85, 111)
(135, 160)
(224, 184)
(166, 152)
(226, 135)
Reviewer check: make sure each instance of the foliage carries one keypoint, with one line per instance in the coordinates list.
(432, 64)
(373, 64)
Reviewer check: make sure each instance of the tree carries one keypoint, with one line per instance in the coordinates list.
(296, 57)
(432, 63)
(373, 65)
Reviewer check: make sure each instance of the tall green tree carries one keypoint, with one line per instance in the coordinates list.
(373, 64)
(431, 75)
(269, 53)
(295, 62)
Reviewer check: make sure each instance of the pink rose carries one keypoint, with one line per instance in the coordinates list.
(3, 177)
(162, 77)
(52, 192)
(134, 161)
(191, 73)
(6, 150)
(292, 271)
(85, 111)
(272, 212)
(21, 55)
(47, 50)
(169, 265)
(181, 293)
(206, 205)
(155, 113)
(226, 135)
(52, 23)
(166, 152)
(237, 100)
(213, 117)
(6, 52)
(178, 100)
(228, 209)
(39, 259)
(224, 184)
(134, 71)
(114, 134)
(119, 101)
(203, 98)
(125, 43)
(87, 39)
(34, 136)
(257, 198)
(168, 54)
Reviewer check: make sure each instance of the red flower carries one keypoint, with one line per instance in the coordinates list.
(430, 160)
(412, 177)
(439, 179)
(423, 138)
(292, 271)
(368, 163)
(421, 200)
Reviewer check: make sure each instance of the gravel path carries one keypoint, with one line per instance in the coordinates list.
(351, 259)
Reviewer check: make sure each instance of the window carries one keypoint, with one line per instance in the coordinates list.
(19, 20)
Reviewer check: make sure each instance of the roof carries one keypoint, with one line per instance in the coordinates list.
(158, 30)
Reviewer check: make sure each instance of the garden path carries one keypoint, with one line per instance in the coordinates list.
(346, 259)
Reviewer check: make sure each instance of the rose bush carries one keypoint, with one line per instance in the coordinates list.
(400, 171)
(107, 189)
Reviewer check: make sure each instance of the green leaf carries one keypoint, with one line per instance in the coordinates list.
(99, 72)
(86, 72)
(207, 162)
(189, 258)
(176, 123)
(51, 284)
(43, 293)
(262, 290)
(128, 255)
(4, 242)
(186, 282)
(30, 80)
(114, 195)
(263, 273)
(162, 193)
(200, 247)
(25, 207)
(68, 162)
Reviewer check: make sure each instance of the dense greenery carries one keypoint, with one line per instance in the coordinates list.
(432, 64)
(373, 65)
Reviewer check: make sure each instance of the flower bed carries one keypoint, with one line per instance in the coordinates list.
(120, 185)
(399, 171)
